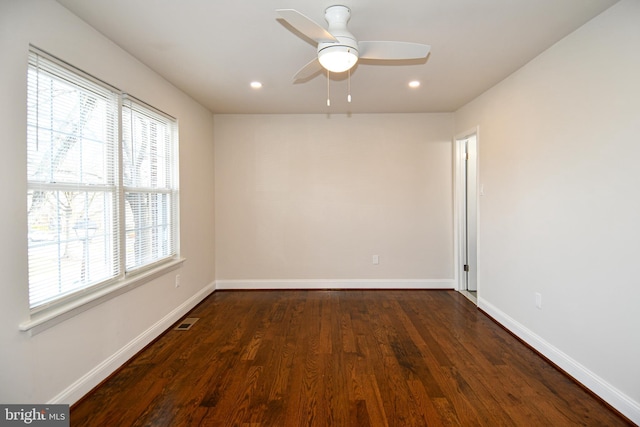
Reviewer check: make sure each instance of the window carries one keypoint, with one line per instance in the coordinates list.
(149, 190)
(98, 210)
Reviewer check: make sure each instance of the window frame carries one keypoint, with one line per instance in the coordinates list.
(51, 312)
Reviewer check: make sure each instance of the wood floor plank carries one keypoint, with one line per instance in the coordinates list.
(340, 358)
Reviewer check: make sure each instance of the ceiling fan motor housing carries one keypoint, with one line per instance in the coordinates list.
(343, 55)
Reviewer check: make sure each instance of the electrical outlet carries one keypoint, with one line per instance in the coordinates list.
(539, 300)
(177, 280)
(376, 260)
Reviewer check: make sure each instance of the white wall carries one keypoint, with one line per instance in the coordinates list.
(307, 200)
(63, 362)
(559, 150)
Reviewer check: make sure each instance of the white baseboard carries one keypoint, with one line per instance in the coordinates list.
(335, 284)
(614, 397)
(87, 382)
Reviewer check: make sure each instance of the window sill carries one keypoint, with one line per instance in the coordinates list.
(47, 318)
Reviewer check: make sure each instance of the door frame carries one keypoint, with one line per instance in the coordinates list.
(460, 208)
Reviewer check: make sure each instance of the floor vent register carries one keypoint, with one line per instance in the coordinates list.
(186, 324)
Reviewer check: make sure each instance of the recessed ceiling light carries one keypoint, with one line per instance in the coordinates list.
(414, 84)
(256, 85)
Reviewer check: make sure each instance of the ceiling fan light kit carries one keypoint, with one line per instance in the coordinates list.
(338, 59)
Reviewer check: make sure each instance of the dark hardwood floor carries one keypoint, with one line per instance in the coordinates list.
(340, 358)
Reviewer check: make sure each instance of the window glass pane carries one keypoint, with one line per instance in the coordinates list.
(149, 228)
(146, 150)
(68, 129)
(70, 243)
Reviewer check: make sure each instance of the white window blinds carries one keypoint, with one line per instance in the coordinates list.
(72, 175)
(150, 184)
(98, 209)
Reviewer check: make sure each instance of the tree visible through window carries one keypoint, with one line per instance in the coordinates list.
(79, 176)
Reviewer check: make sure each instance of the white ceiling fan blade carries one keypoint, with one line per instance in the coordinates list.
(306, 26)
(308, 70)
(392, 50)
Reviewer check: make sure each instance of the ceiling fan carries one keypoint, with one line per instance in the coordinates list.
(338, 49)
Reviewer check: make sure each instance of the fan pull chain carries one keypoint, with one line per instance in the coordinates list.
(349, 87)
(328, 91)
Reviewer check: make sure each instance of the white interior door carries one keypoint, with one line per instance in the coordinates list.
(467, 197)
(471, 213)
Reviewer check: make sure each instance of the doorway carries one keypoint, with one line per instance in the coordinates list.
(467, 192)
